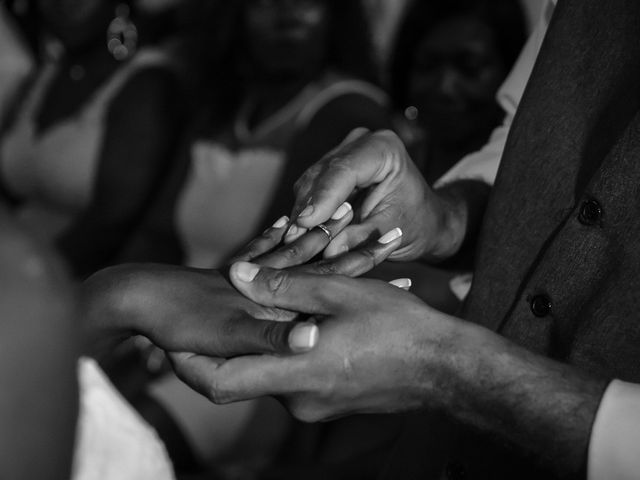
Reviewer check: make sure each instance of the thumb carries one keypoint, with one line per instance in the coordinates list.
(291, 290)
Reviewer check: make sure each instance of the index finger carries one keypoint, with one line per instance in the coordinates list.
(297, 291)
(357, 164)
(240, 378)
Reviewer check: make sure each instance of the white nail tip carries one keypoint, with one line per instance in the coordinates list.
(342, 210)
(390, 236)
(281, 222)
(404, 283)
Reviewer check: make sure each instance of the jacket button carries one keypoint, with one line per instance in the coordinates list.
(541, 306)
(455, 471)
(590, 212)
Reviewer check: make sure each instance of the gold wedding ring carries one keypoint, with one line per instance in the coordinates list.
(324, 228)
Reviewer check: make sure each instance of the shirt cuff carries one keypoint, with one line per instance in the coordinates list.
(614, 450)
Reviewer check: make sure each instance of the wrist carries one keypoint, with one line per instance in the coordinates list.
(541, 407)
(105, 310)
(449, 219)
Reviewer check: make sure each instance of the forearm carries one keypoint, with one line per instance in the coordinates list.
(460, 206)
(542, 407)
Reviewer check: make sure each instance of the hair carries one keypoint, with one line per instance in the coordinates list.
(505, 18)
(349, 50)
(350, 47)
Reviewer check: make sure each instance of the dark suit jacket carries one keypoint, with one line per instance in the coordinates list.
(558, 264)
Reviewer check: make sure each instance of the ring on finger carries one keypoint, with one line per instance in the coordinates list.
(324, 228)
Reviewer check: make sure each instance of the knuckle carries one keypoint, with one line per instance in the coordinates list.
(368, 256)
(278, 283)
(273, 335)
(292, 251)
(388, 136)
(217, 393)
(327, 268)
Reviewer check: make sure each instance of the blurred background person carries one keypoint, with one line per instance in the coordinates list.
(299, 77)
(450, 58)
(94, 134)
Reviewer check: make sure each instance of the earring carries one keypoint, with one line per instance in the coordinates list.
(122, 34)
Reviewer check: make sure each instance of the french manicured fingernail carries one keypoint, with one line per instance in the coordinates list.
(341, 211)
(403, 283)
(293, 230)
(246, 271)
(281, 222)
(306, 212)
(303, 337)
(390, 236)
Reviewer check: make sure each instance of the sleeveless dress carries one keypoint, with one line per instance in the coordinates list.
(54, 171)
(233, 178)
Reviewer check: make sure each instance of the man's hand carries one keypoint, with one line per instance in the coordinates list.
(373, 354)
(383, 350)
(393, 193)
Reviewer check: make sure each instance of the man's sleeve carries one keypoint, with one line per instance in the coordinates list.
(614, 450)
(483, 164)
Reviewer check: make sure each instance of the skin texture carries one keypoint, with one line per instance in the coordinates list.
(38, 349)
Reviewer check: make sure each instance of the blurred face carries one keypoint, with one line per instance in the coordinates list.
(77, 22)
(286, 37)
(456, 73)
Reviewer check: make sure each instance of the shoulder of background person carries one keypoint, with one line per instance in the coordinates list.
(343, 98)
(150, 83)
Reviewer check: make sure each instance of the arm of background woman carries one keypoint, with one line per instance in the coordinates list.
(38, 404)
(143, 127)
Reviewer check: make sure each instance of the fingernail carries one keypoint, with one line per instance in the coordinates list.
(294, 233)
(390, 236)
(303, 337)
(306, 212)
(246, 272)
(293, 230)
(403, 283)
(341, 211)
(281, 222)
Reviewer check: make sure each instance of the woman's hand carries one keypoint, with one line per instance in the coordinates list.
(197, 310)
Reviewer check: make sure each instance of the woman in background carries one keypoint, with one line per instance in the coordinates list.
(299, 77)
(93, 136)
(450, 59)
